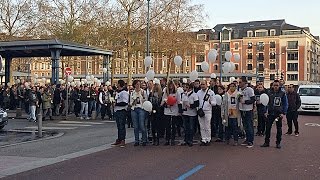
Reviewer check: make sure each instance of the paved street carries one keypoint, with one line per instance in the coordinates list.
(298, 159)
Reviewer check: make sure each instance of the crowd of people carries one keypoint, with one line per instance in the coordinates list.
(198, 109)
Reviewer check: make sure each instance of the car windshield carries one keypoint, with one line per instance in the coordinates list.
(309, 91)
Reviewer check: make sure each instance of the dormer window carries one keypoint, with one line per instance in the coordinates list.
(261, 33)
(249, 34)
(201, 37)
(272, 32)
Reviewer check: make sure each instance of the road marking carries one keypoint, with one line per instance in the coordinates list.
(48, 128)
(108, 121)
(80, 122)
(189, 173)
(312, 124)
(78, 125)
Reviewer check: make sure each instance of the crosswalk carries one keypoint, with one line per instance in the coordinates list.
(68, 125)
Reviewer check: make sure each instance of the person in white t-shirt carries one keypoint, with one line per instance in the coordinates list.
(206, 101)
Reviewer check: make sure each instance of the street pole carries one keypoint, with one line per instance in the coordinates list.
(220, 44)
(148, 30)
(67, 98)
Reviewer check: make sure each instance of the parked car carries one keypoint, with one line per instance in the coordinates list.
(310, 98)
(3, 118)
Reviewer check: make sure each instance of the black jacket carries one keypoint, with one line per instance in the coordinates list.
(294, 101)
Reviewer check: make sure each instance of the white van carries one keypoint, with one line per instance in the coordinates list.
(310, 98)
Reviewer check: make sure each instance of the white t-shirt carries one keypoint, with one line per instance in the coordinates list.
(210, 100)
(138, 98)
(172, 110)
(247, 93)
(122, 96)
(189, 98)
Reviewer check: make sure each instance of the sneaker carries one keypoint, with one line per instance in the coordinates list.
(245, 143)
(144, 144)
(227, 142)
(136, 144)
(167, 143)
(207, 143)
(202, 144)
(219, 140)
(250, 145)
(296, 134)
(81, 118)
(235, 144)
(190, 144)
(87, 118)
(288, 133)
(265, 145)
(116, 143)
(183, 144)
(122, 144)
(278, 146)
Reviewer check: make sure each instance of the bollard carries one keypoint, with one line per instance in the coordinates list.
(94, 115)
(18, 112)
(40, 125)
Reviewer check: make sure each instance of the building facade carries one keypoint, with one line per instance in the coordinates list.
(268, 49)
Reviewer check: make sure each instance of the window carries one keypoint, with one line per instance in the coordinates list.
(272, 44)
(225, 35)
(292, 66)
(292, 56)
(249, 33)
(236, 46)
(89, 65)
(49, 74)
(291, 32)
(42, 74)
(272, 32)
(139, 64)
(249, 78)
(187, 63)
(200, 58)
(78, 65)
(237, 67)
(272, 55)
(225, 46)
(261, 33)
(249, 66)
(215, 46)
(215, 67)
(250, 45)
(42, 66)
(272, 66)
(133, 64)
(198, 68)
(260, 46)
(292, 45)
(249, 55)
(261, 57)
(35, 66)
(201, 37)
(260, 67)
(48, 65)
(164, 62)
(272, 76)
(292, 77)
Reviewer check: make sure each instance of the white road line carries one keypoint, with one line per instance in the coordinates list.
(48, 128)
(77, 125)
(108, 121)
(80, 122)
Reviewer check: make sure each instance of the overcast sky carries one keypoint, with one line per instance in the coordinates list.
(304, 13)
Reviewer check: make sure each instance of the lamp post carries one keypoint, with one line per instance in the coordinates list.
(148, 29)
(220, 46)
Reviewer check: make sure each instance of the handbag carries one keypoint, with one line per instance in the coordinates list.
(200, 111)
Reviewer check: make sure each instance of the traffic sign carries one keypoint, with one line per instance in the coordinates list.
(68, 71)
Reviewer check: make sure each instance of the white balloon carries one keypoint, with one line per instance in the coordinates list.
(147, 106)
(72, 84)
(228, 55)
(26, 84)
(44, 80)
(205, 66)
(95, 80)
(18, 81)
(108, 83)
(213, 75)
(88, 78)
(237, 57)
(194, 75)
(92, 77)
(105, 70)
(212, 56)
(226, 67)
(146, 80)
(85, 81)
(156, 81)
(233, 67)
(148, 61)
(264, 99)
(150, 75)
(35, 76)
(232, 79)
(62, 81)
(79, 83)
(9, 84)
(218, 99)
(184, 80)
(177, 60)
(70, 78)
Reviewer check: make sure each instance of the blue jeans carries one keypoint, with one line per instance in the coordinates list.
(92, 107)
(189, 123)
(232, 129)
(138, 116)
(247, 120)
(84, 109)
(120, 118)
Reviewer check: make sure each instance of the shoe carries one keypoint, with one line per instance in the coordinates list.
(265, 145)
(261, 134)
(227, 142)
(250, 145)
(116, 143)
(202, 144)
(296, 134)
(207, 143)
(235, 144)
(136, 144)
(81, 118)
(190, 144)
(144, 144)
(87, 118)
(258, 134)
(167, 143)
(278, 146)
(183, 144)
(122, 144)
(288, 133)
(173, 143)
(219, 140)
(245, 143)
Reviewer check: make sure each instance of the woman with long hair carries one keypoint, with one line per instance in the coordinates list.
(138, 114)
(155, 98)
(170, 100)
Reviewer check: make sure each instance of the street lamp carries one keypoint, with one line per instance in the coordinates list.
(148, 29)
(220, 46)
